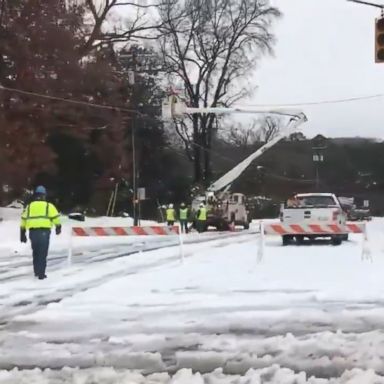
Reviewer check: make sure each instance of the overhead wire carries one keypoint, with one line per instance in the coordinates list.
(143, 115)
(72, 101)
(268, 174)
(322, 102)
(135, 111)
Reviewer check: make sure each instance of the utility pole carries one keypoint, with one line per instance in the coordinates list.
(2, 12)
(131, 81)
(135, 218)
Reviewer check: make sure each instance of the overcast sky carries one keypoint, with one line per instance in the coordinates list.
(325, 50)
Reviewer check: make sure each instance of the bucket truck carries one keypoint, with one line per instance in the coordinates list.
(225, 208)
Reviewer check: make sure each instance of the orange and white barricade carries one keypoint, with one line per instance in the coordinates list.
(281, 229)
(125, 231)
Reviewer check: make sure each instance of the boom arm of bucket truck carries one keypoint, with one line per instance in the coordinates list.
(226, 180)
(175, 107)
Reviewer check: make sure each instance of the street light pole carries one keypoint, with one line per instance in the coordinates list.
(318, 158)
(135, 221)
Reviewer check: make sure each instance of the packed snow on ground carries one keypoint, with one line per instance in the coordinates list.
(308, 314)
(270, 375)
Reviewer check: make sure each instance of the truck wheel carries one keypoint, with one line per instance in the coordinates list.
(311, 239)
(336, 240)
(286, 240)
(222, 227)
(345, 237)
(246, 225)
(300, 240)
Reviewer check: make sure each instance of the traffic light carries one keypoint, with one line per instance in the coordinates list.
(379, 42)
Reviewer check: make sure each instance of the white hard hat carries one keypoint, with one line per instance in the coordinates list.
(201, 205)
(170, 206)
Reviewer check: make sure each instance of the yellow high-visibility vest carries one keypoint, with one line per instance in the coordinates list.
(202, 214)
(170, 214)
(183, 214)
(40, 214)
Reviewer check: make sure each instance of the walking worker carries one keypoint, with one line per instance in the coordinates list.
(38, 218)
(170, 215)
(183, 217)
(201, 222)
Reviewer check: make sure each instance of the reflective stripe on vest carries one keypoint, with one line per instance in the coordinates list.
(46, 216)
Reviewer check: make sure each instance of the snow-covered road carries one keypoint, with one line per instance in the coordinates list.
(304, 311)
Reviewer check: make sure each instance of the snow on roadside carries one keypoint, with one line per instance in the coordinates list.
(314, 310)
(10, 245)
(10, 234)
(271, 375)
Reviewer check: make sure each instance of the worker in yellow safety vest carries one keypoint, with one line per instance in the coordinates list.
(201, 218)
(38, 218)
(183, 217)
(170, 215)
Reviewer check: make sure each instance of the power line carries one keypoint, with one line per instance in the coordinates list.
(138, 113)
(381, 6)
(133, 111)
(268, 174)
(335, 101)
(286, 178)
(72, 101)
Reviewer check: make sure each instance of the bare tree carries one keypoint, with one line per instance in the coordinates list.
(243, 136)
(98, 31)
(270, 127)
(260, 130)
(297, 136)
(211, 47)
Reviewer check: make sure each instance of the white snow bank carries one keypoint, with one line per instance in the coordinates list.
(10, 233)
(10, 213)
(270, 375)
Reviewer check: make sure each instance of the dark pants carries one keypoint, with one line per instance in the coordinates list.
(201, 226)
(170, 223)
(184, 226)
(40, 245)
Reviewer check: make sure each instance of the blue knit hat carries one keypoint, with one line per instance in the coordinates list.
(41, 190)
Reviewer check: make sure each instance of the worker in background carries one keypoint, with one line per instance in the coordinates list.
(170, 215)
(201, 218)
(38, 218)
(183, 217)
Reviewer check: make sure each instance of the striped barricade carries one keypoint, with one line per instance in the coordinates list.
(281, 229)
(125, 231)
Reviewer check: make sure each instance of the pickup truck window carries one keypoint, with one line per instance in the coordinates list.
(316, 201)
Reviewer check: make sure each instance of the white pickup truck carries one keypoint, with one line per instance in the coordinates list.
(313, 210)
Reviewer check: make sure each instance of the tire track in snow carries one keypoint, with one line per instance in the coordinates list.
(93, 255)
(28, 305)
